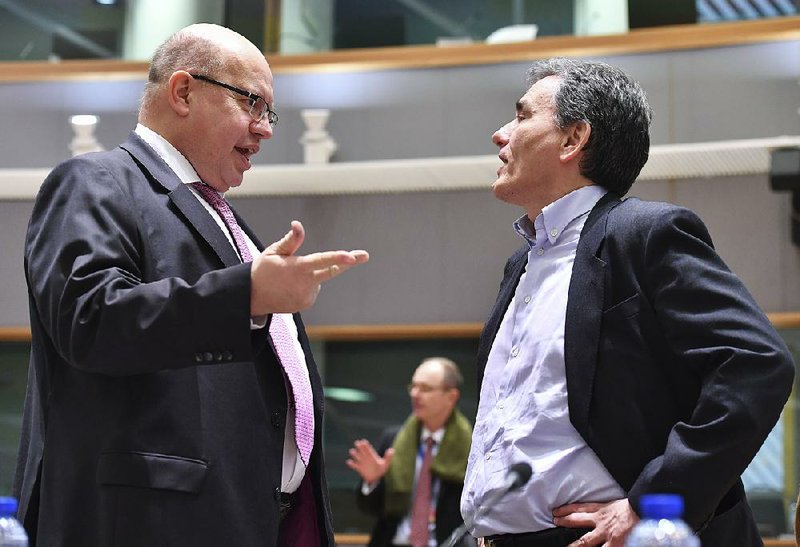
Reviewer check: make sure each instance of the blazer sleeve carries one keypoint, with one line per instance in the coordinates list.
(713, 330)
(85, 257)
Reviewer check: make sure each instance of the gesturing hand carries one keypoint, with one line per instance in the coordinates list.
(367, 463)
(283, 282)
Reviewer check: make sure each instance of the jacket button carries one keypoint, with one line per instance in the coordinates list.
(275, 420)
(208, 356)
(218, 356)
(198, 357)
(277, 494)
(228, 356)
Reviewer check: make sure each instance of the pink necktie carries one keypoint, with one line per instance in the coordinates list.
(224, 211)
(282, 340)
(421, 508)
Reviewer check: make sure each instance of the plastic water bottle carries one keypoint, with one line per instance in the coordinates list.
(12, 534)
(661, 524)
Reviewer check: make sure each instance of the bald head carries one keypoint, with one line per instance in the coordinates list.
(202, 48)
(451, 376)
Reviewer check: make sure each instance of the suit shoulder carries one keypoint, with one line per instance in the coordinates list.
(89, 171)
(105, 158)
(635, 212)
(634, 207)
(635, 219)
(78, 167)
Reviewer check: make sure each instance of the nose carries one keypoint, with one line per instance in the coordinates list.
(501, 136)
(262, 128)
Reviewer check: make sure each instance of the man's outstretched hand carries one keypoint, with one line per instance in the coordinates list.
(284, 282)
(365, 461)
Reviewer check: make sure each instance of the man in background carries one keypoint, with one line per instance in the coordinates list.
(172, 396)
(622, 356)
(413, 482)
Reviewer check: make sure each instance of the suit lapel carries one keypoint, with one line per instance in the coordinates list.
(585, 314)
(209, 230)
(516, 265)
(182, 197)
(246, 229)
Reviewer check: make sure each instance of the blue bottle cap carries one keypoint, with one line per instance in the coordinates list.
(661, 506)
(8, 507)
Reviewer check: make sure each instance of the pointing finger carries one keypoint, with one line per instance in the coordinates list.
(330, 264)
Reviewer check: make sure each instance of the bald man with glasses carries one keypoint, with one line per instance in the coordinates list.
(412, 483)
(172, 395)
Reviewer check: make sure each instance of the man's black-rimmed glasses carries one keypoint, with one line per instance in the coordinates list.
(258, 106)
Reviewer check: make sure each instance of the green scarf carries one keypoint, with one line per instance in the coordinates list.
(449, 464)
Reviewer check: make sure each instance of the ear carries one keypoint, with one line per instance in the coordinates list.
(454, 395)
(179, 88)
(575, 138)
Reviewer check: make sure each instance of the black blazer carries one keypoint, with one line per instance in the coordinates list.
(154, 415)
(448, 512)
(675, 375)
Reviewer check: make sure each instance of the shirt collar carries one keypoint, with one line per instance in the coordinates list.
(437, 435)
(174, 159)
(555, 217)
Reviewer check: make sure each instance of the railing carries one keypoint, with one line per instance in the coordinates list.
(676, 37)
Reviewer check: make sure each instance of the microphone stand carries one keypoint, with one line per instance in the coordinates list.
(518, 475)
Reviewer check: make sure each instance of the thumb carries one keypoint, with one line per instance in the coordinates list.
(288, 244)
(388, 456)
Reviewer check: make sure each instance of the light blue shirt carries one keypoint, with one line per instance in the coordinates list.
(523, 414)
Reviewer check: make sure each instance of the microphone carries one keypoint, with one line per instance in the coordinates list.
(518, 475)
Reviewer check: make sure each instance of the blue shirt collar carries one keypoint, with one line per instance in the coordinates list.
(555, 217)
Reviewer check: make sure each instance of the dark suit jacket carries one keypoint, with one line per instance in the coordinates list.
(154, 415)
(448, 512)
(675, 376)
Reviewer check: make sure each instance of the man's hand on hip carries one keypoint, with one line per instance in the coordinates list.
(612, 521)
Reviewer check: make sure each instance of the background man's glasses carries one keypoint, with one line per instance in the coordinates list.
(425, 388)
(258, 106)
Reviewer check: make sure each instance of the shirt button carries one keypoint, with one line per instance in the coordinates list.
(514, 351)
(554, 232)
(500, 405)
(540, 251)
(488, 457)
(528, 299)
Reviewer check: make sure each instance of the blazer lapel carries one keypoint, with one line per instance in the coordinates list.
(209, 230)
(516, 265)
(182, 197)
(585, 314)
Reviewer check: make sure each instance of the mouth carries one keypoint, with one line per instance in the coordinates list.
(505, 163)
(247, 151)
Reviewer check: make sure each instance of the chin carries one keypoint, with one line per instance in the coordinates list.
(233, 183)
(500, 190)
